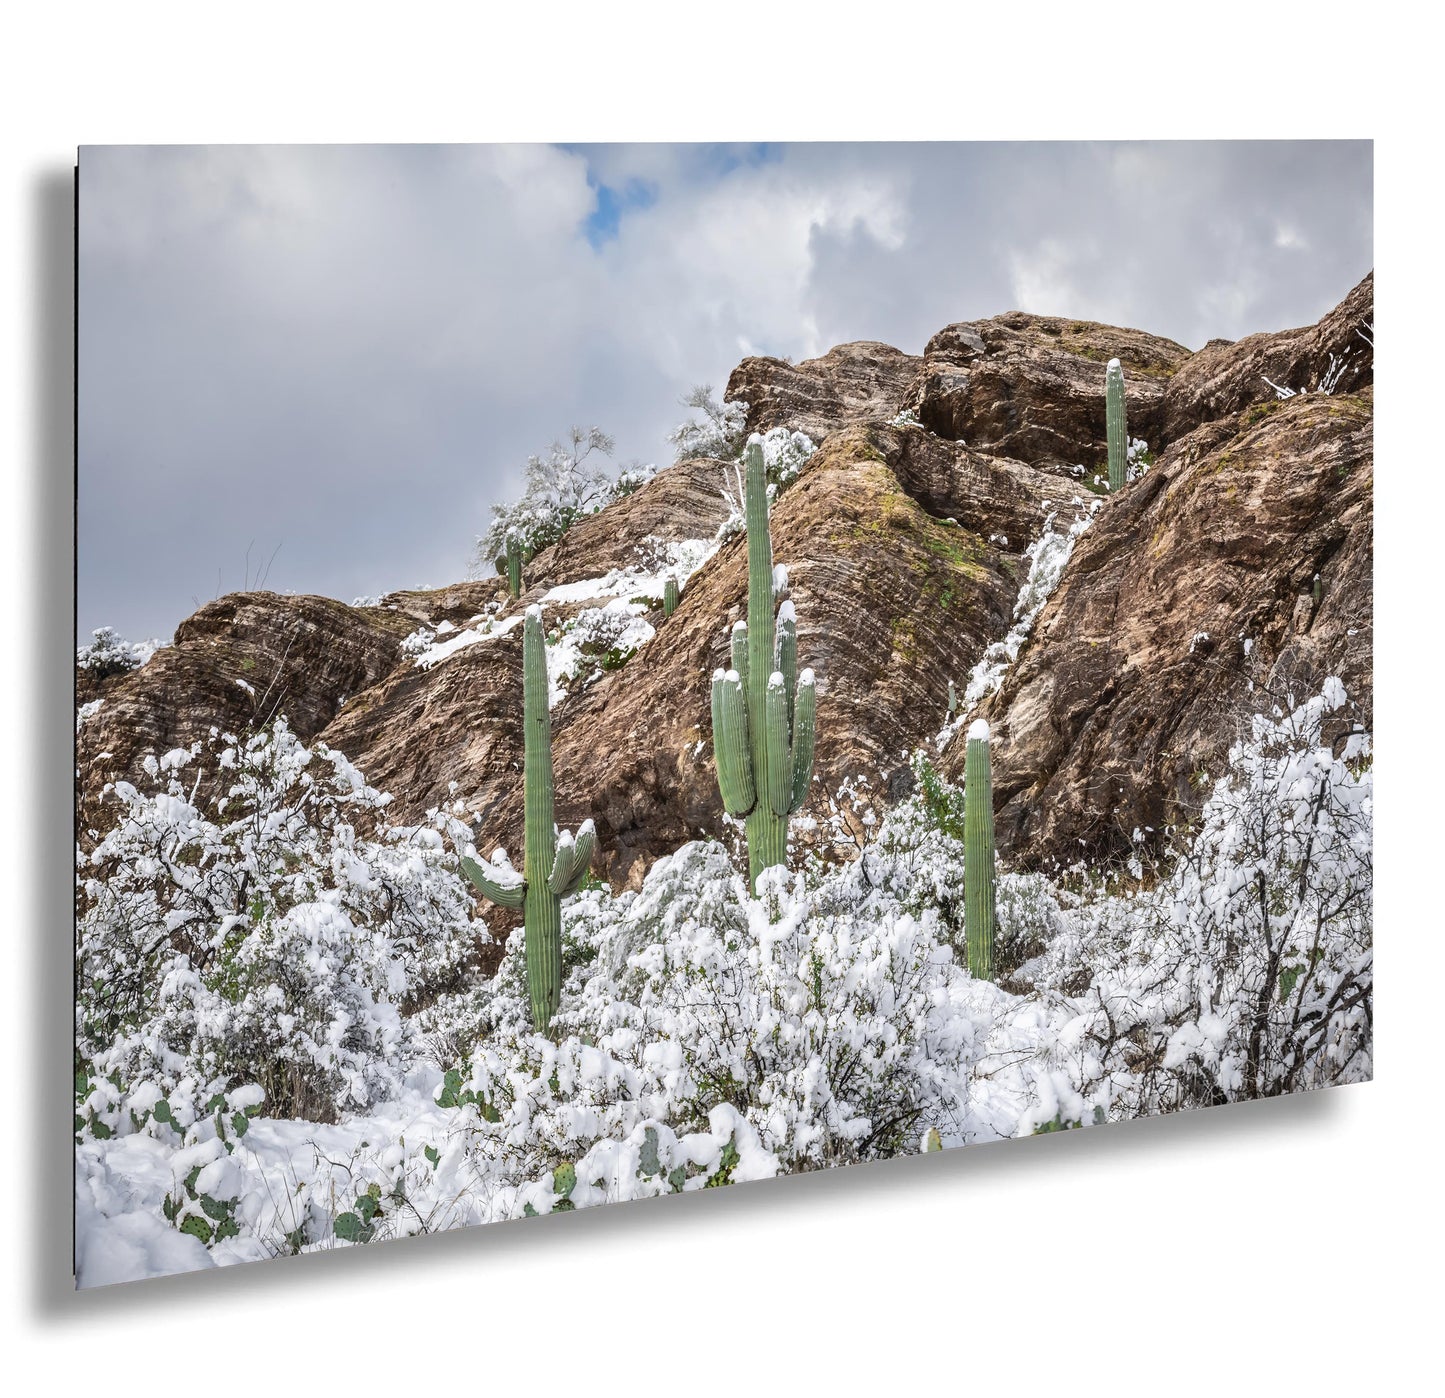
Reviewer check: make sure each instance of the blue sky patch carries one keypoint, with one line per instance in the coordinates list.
(602, 223)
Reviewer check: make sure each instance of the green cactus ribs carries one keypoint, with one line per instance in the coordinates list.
(514, 564)
(671, 596)
(763, 709)
(554, 865)
(1117, 428)
(979, 871)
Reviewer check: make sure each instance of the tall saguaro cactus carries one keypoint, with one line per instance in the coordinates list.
(1118, 430)
(671, 596)
(763, 710)
(553, 865)
(978, 852)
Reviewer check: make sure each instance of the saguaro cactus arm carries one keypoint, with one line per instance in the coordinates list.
(780, 747)
(496, 881)
(788, 653)
(574, 859)
(730, 743)
(740, 652)
(1117, 428)
(805, 711)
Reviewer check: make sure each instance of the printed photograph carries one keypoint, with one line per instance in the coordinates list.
(604, 672)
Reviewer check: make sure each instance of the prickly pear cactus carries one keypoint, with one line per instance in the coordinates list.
(764, 709)
(555, 864)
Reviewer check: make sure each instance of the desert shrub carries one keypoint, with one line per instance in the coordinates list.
(914, 862)
(110, 654)
(1247, 970)
(564, 485)
(269, 932)
(1029, 918)
(786, 1033)
(718, 429)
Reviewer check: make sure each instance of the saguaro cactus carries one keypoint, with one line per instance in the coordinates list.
(1118, 430)
(763, 709)
(514, 565)
(978, 852)
(553, 865)
(671, 595)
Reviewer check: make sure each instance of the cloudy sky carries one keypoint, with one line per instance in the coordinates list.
(340, 356)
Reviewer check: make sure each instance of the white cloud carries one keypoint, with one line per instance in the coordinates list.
(353, 349)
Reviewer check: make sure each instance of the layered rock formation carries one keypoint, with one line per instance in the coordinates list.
(1188, 597)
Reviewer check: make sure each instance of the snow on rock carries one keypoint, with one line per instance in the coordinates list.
(1047, 556)
(438, 651)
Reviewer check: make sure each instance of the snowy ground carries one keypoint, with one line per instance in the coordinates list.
(705, 1037)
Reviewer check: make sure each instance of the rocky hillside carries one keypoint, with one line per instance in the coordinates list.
(908, 537)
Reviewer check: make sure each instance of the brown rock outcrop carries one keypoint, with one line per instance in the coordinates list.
(682, 502)
(851, 384)
(1032, 387)
(905, 549)
(891, 603)
(1224, 378)
(239, 661)
(1186, 602)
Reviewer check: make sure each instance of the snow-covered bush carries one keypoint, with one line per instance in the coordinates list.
(264, 924)
(817, 1031)
(110, 654)
(565, 485)
(595, 641)
(705, 1037)
(719, 430)
(785, 453)
(1248, 970)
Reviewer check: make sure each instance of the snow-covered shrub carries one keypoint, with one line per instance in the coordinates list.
(418, 642)
(914, 861)
(1140, 458)
(595, 641)
(565, 485)
(719, 430)
(1248, 970)
(706, 1037)
(110, 654)
(1029, 919)
(270, 931)
(785, 453)
(790, 1031)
